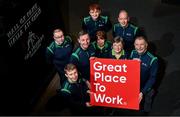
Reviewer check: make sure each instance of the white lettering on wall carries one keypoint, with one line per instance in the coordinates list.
(24, 23)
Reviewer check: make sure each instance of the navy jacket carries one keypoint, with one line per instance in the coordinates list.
(102, 23)
(149, 67)
(60, 54)
(75, 94)
(128, 34)
(80, 58)
(102, 52)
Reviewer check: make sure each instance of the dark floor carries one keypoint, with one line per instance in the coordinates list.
(47, 104)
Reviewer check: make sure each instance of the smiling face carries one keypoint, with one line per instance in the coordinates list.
(94, 14)
(117, 47)
(118, 44)
(123, 18)
(94, 11)
(72, 75)
(140, 45)
(58, 36)
(84, 41)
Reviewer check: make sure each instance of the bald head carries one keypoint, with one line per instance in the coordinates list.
(123, 18)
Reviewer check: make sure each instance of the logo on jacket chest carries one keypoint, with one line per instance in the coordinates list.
(128, 34)
(144, 64)
(100, 23)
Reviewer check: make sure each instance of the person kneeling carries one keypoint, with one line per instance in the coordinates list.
(75, 91)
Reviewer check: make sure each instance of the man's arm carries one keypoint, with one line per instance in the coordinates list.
(152, 76)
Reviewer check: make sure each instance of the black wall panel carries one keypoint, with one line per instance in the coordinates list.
(25, 31)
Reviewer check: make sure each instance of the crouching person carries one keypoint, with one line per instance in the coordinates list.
(74, 91)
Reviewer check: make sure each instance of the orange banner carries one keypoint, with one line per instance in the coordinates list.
(115, 83)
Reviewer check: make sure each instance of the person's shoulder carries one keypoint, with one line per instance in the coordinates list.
(150, 54)
(133, 53)
(68, 39)
(132, 26)
(104, 17)
(152, 57)
(116, 25)
(66, 87)
(77, 50)
(108, 44)
(76, 53)
(52, 45)
(87, 19)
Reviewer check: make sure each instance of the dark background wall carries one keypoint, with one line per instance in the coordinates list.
(25, 31)
(24, 77)
(161, 21)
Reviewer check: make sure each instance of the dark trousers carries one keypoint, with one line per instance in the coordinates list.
(146, 104)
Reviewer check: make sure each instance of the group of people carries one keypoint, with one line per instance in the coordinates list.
(73, 64)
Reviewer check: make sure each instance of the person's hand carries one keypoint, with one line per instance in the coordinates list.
(140, 96)
(88, 91)
(88, 104)
(137, 59)
(92, 58)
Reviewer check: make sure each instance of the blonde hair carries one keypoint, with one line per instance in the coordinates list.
(69, 67)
